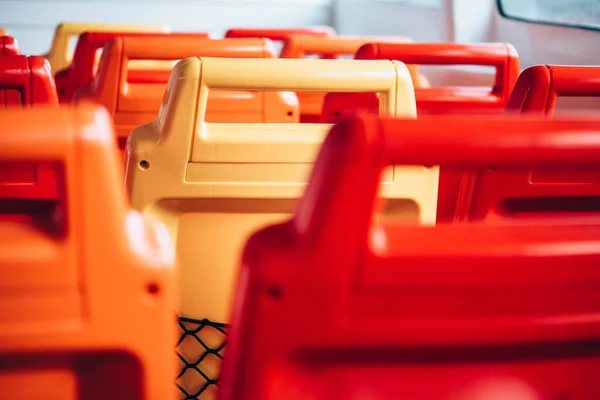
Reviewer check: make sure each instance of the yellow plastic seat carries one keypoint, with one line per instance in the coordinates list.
(213, 184)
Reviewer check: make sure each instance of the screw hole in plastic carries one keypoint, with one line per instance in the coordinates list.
(153, 289)
(144, 164)
(275, 292)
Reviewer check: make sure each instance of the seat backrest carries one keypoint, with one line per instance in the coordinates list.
(337, 304)
(81, 275)
(215, 183)
(26, 81)
(59, 54)
(439, 100)
(134, 104)
(82, 69)
(9, 46)
(538, 87)
(301, 46)
(516, 192)
(434, 100)
(279, 34)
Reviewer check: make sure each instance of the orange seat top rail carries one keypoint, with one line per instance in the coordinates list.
(279, 34)
(135, 104)
(82, 273)
(405, 311)
(301, 46)
(81, 71)
(440, 100)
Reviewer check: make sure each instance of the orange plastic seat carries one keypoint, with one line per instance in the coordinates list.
(135, 104)
(9, 46)
(438, 100)
(279, 34)
(60, 54)
(26, 81)
(521, 192)
(337, 304)
(81, 71)
(81, 275)
(301, 46)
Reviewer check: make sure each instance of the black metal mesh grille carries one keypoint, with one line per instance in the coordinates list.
(200, 349)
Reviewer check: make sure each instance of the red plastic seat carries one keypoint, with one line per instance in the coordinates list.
(337, 304)
(9, 46)
(533, 190)
(26, 81)
(538, 87)
(82, 69)
(437, 100)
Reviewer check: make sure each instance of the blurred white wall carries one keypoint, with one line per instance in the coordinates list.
(32, 22)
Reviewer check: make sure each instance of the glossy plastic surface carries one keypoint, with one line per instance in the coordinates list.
(338, 304)
(82, 69)
(9, 46)
(514, 192)
(26, 81)
(80, 275)
(311, 103)
(539, 86)
(437, 100)
(136, 104)
(59, 55)
(213, 184)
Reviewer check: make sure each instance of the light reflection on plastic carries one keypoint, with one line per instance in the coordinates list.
(151, 239)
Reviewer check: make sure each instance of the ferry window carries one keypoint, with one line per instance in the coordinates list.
(575, 13)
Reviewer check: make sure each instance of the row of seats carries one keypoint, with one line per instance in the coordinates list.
(212, 181)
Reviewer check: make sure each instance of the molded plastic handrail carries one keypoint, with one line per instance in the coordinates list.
(298, 75)
(302, 45)
(119, 51)
(9, 46)
(451, 140)
(31, 76)
(391, 79)
(311, 104)
(81, 71)
(539, 86)
(273, 74)
(279, 33)
(502, 56)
